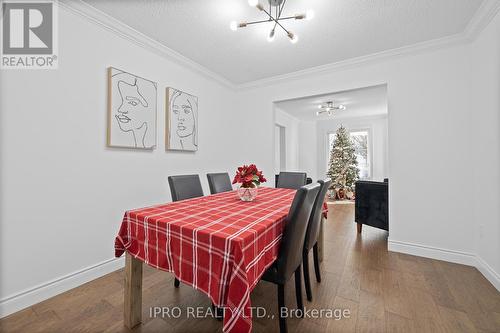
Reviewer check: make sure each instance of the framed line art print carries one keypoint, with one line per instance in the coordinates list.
(181, 115)
(132, 108)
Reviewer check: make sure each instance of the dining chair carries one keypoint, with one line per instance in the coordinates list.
(291, 180)
(311, 239)
(184, 187)
(290, 253)
(219, 182)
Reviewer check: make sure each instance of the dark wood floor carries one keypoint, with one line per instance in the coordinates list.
(384, 292)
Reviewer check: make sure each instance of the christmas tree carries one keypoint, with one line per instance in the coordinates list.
(343, 166)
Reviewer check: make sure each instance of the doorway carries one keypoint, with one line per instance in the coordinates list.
(279, 148)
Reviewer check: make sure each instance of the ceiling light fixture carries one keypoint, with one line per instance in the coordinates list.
(274, 15)
(328, 108)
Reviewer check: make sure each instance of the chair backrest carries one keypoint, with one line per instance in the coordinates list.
(219, 182)
(292, 243)
(312, 232)
(185, 187)
(292, 180)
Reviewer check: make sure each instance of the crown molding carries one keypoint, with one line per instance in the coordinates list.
(354, 62)
(483, 16)
(480, 20)
(119, 28)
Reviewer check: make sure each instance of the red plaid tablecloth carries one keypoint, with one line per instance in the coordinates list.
(217, 244)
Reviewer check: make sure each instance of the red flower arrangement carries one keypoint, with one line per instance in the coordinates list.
(249, 176)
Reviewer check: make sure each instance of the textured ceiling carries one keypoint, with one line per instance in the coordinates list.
(340, 30)
(364, 102)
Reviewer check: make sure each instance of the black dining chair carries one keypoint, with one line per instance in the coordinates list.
(184, 187)
(219, 182)
(291, 180)
(311, 239)
(290, 253)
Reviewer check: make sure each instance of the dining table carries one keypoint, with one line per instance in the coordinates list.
(217, 244)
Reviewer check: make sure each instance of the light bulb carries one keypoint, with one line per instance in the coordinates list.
(270, 37)
(233, 25)
(309, 14)
(294, 39)
(253, 3)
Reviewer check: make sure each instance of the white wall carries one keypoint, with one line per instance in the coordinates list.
(63, 192)
(446, 137)
(379, 142)
(484, 128)
(300, 142)
(277, 149)
(430, 100)
(291, 125)
(308, 148)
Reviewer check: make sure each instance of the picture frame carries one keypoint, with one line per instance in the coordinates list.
(181, 121)
(132, 111)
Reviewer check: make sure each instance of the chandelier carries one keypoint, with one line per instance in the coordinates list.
(274, 14)
(328, 108)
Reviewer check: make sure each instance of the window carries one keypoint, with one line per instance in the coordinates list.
(361, 148)
(361, 140)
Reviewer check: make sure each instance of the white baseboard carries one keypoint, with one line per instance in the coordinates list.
(488, 272)
(457, 257)
(52, 288)
(26, 298)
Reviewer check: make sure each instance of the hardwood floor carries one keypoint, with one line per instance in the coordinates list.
(383, 291)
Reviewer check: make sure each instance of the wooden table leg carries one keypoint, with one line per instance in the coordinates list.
(133, 291)
(320, 240)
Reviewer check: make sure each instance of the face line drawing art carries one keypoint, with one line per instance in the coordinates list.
(129, 102)
(183, 108)
(134, 112)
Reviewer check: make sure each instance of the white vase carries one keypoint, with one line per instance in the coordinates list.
(247, 193)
